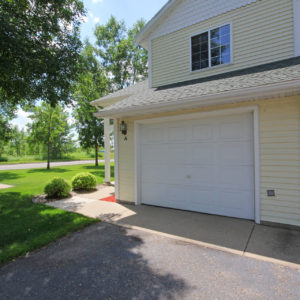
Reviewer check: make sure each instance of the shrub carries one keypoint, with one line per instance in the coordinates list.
(84, 181)
(57, 188)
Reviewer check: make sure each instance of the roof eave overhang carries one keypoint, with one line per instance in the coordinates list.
(278, 90)
(107, 102)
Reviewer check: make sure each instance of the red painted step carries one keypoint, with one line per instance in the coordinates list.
(109, 199)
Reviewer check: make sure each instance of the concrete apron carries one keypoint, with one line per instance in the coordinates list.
(236, 236)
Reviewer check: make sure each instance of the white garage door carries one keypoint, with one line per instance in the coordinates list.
(204, 165)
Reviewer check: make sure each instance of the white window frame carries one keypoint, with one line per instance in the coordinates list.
(209, 52)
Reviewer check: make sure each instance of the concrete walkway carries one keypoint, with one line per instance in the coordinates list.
(89, 204)
(232, 235)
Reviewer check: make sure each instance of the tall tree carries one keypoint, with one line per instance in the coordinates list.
(124, 61)
(5, 132)
(91, 84)
(18, 141)
(49, 126)
(39, 49)
(6, 115)
(138, 55)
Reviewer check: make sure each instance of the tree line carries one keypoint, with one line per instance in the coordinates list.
(47, 135)
(53, 69)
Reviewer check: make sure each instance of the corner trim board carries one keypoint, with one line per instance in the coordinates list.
(150, 63)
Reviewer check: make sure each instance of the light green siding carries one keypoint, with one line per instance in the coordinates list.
(262, 33)
(280, 161)
(126, 165)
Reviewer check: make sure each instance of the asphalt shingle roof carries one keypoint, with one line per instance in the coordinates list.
(140, 95)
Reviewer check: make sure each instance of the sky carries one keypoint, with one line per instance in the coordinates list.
(98, 12)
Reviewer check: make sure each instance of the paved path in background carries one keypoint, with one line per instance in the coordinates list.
(108, 262)
(44, 165)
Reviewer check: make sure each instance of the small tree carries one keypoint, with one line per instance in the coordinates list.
(49, 126)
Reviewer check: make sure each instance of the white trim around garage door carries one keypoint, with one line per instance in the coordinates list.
(253, 109)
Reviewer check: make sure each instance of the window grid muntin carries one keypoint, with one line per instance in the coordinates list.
(227, 58)
(201, 55)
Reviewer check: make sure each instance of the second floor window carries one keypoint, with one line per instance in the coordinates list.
(211, 48)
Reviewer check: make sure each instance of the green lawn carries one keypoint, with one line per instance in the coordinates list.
(26, 226)
(79, 155)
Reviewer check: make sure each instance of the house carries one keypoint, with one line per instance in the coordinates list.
(216, 127)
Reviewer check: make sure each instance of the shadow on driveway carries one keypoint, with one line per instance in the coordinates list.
(100, 262)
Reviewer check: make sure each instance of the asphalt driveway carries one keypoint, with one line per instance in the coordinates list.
(105, 261)
(238, 236)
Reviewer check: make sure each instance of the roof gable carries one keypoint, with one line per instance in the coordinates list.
(178, 14)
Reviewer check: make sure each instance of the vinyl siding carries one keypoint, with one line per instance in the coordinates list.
(280, 161)
(262, 32)
(126, 165)
(188, 12)
(279, 157)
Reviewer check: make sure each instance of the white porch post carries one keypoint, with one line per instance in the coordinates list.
(107, 149)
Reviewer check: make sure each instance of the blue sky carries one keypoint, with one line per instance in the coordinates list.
(98, 12)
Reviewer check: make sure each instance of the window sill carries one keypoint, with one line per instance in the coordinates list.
(212, 68)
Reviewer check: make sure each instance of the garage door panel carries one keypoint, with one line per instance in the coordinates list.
(202, 176)
(235, 153)
(202, 153)
(163, 174)
(178, 175)
(154, 153)
(236, 204)
(202, 132)
(235, 127)
(176, 133)
(177, 196)
(178, 154)
(153, 192)
(204, 165)
(235, 177)
(152, 134)
(230, 130)
(227, 203)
